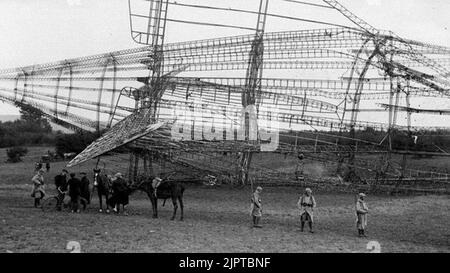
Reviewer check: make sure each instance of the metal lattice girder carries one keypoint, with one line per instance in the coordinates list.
(92, 59)
(285, 93)
(211, 50)
(67, 90)
(412, 53)
(148, 21)
(217, 56)
(208, 156)
(296, 87)
(127, 130)
(72, 121)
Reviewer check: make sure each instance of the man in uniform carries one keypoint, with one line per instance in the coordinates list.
(38, 192)
(306, 204)
(256, 207)
(361, 215)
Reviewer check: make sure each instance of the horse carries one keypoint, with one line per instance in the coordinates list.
(103, 185)
(166, 190)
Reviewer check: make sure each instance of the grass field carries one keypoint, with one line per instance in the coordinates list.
(217, 220)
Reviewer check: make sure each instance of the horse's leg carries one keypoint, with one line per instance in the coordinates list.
(152, 201)
(107, 202)
(92, 193)
(175, 207)
(180, 200)
(100, 200)
(155, 207)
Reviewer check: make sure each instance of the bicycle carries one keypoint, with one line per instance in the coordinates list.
(51, 203)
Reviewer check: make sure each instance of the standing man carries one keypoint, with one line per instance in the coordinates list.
(38, 192)
(306, 204)
(61, 187)
(256, 207)
(74, 192)
(120, 193)
(300, 167)
(85, 193)
(361, 215)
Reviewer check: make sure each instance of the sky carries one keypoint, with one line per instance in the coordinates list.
(33, 32)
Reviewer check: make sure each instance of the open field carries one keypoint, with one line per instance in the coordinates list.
(217, 220)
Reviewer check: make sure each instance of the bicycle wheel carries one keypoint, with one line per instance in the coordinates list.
(50, 204)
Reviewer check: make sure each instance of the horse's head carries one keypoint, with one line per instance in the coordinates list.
(96, 176)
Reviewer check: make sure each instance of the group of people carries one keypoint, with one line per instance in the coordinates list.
(77, 189)
(306, 205)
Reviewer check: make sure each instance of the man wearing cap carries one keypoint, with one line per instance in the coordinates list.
(306, 204)
(120, 193)
(38, 192)
(155, 184)
(61, 187)
(256, 207)
(361, 215)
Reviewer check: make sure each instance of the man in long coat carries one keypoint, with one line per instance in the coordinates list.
(121, 193)
(38, 192)
(361, 215)
(306, 205)
(74, 192)
(256, 207)
(85, 192)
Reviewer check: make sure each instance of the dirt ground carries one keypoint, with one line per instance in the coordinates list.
(217, 220)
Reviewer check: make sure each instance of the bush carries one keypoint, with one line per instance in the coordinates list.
(14, 154)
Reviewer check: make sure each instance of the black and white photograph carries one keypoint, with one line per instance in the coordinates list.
(238, 127)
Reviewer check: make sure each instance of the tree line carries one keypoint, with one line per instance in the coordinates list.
(32, 129)
(400, 140)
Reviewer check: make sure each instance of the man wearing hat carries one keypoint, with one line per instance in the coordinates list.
(120, 193)
(256, 207)
(306, 204)
(361, 215)
(38, 192)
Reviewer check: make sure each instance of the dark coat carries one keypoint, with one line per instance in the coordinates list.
(74, 187)
(84, 187)
(61, 182)
(121, 192)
